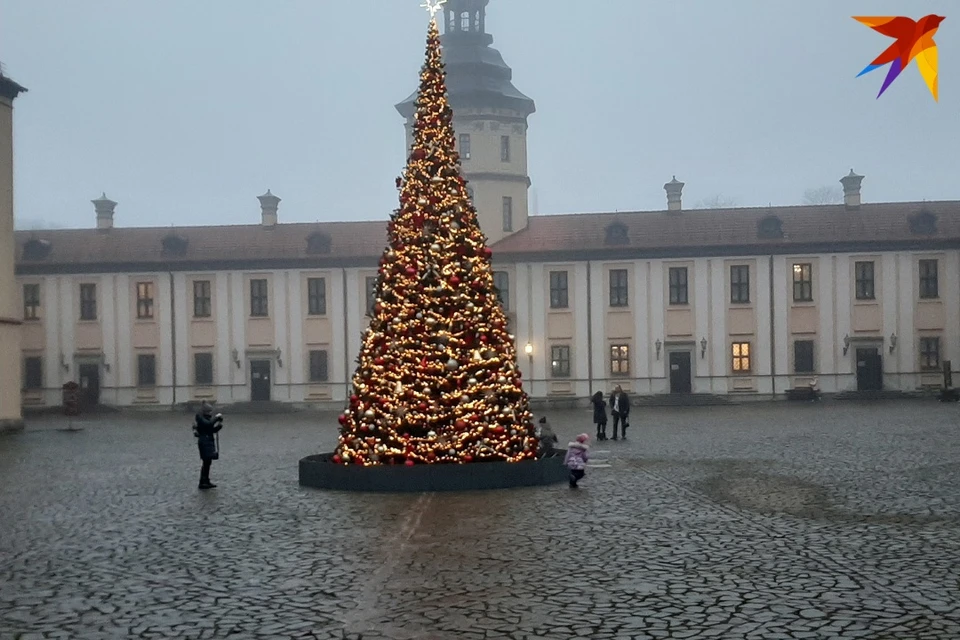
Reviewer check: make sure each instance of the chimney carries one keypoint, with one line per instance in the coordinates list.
(673, 188)
(851, 190)
(268, 209)
(104, 207)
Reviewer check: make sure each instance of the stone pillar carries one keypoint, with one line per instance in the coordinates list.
(674, 189)
(11, 311)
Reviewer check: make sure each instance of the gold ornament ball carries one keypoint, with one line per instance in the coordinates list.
(369, 413)
(435, 248)
(472, 381)
(501, 380)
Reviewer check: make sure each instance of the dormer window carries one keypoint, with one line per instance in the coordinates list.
(617, 234)
(770, 227)
(36, 249)
(318, 243)
(924, 223)
(173, 246)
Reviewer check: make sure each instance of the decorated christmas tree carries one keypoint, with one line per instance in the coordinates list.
(436, 378)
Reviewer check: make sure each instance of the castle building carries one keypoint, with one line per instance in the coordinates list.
(745, 302)
(10, 316)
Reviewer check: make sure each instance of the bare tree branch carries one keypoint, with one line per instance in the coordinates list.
(716, 202)
(823, 195)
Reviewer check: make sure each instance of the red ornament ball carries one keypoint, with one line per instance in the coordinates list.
(409, 462)
(454, 280)
(487, 252)
(337, 459)
(461, 424)
(342, 419)
(418, 154)
(411, 271)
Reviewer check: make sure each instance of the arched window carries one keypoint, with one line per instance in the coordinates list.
(616, 233)
(318, 242)
(924, 223)
(770, 227)
(173, 245)
(36, 249)
(465, 21)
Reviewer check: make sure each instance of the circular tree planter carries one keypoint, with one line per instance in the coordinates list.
(321, 472)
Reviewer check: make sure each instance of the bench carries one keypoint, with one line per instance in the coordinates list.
(803, 393)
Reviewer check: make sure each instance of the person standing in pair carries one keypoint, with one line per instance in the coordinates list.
(600, 415)
(619, 409)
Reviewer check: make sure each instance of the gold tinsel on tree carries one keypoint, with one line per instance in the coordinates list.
(436, 378)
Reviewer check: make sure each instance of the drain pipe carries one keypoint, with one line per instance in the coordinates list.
(346, 336)
(173, 341)
(589, 331)
(773, 346)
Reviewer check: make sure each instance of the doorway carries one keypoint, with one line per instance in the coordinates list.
(680, 372)
(260, 380)
(89, 385)
(869, 369)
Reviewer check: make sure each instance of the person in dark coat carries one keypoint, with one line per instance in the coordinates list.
(548, 440)
(619, 409)
(205, 429)
(600, 415)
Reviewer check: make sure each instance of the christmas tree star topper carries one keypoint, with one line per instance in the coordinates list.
(433, 6)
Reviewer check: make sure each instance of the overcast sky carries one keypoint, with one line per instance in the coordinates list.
(185, 111)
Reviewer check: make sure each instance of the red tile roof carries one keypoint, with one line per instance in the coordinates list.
(692, 232)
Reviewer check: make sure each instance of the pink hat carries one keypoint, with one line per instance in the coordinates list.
(582, 438)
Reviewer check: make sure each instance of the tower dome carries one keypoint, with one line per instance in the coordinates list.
(489, 116)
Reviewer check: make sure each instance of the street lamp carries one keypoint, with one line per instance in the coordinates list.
(528, 349)
(703, 347)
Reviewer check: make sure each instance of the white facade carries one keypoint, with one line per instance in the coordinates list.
(646, 328)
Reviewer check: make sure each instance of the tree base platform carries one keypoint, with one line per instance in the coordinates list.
(320, 472)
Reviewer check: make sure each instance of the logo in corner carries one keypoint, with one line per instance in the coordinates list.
(914, 39)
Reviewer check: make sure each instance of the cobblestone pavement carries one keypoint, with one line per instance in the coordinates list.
(827, 520)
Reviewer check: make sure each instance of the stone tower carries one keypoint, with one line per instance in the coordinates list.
(489, 116)
(11, 310)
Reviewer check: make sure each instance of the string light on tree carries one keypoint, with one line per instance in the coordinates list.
(436, 379)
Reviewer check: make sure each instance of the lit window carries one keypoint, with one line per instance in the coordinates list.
(620, 359)
(741, 357)
(803, 282)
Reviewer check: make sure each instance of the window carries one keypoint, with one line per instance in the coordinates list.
(318, 366)
(619, 295)
(929, 353)
(501, 283)
(465, 146)
(559, 295)
(739, 284)
(803, 282)
(507, 213)
(741, 357)
(259, 306)
(32, 373)
(620, 359)
(504, 148)
(465, 21)
(929, 285)
(678, 285)
(560, 361)
(317, 296)
(803, 356)
(202, 306)
(371, 294)
(319, 242)
(863, 272)
(144, 300)
(146, 370)
(31, 302)
(617, 233)
(203, 368)
(88, 302)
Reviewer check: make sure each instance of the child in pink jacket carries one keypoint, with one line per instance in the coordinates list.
(576, 460)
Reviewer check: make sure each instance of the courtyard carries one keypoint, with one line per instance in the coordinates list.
(825, 520)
